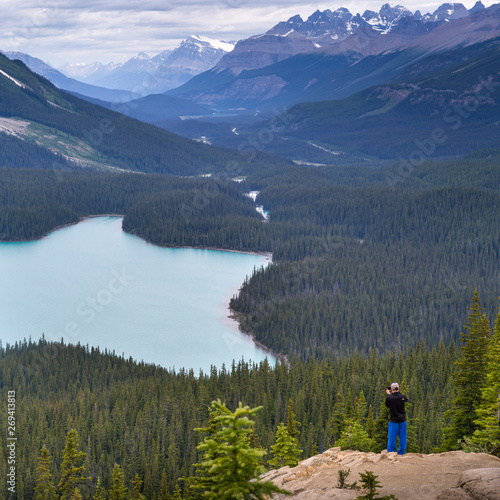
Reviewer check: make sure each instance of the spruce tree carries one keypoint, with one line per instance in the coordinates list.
(360, 408)
(164, 494)
(285, 450)
(177, 493)
(487, 435)
(76, 495)
(354, 437)
(44, 489)
(291, 423)
(118, 489)
(469, 378)
(370, 423)
(411, 431)
(136, 489)
(233, 465)
(381, 428)
(204, 479)
(338, 418)
(73, 472)
(99, 491)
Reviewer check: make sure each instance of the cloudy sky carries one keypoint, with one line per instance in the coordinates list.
(60, 31)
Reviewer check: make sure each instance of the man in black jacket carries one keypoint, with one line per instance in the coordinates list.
(395, 401)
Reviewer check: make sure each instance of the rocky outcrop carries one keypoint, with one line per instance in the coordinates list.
(413, 476)
(475, 484)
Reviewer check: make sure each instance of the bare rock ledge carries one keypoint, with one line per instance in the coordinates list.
(441, 476)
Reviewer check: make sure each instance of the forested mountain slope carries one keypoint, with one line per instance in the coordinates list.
(143, 417)
(454, 96)
(354, 268)
(39, 113)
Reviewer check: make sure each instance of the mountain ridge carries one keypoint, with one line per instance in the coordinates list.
(240, 80)
(96, 137)
(147, 75)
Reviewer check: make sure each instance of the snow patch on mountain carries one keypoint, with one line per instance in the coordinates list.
(216, 44)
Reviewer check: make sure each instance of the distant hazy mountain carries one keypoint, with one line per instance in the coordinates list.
(155, 108)
(63, 82)
(334, 54)
(89, 73)
(35, 112)
(148, 75)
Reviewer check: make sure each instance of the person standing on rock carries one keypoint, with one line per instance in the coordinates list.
(395, 401)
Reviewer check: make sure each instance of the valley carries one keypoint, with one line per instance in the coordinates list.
(360, 150)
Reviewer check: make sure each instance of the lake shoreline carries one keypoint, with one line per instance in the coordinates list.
(233, 314)
(268, 255)
(282, 357)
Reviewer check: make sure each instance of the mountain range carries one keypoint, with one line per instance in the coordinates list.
(70, 84)
(147, 75)
(344, 79)
(332, 55)
(40, 125)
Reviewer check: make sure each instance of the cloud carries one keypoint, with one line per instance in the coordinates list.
(104, 30)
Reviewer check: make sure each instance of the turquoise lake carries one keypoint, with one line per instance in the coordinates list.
(94, 284)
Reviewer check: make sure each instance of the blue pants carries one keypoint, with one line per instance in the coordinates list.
(396, 430)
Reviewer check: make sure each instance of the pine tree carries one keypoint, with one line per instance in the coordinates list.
(204, 480)
(381, 428)
(360, 408)
(285, 450)
(487, 435)
(72, 468)
(370, 423)
(349, 407)
(233, 464)
(338, 418)
(411, 431)
(164, 495)
(470, 377)
(44, 489)
(354, 437)
(76, 495)
(291, 423)
(99, 491)
(136, 489)
(177, 493)
(118, 490)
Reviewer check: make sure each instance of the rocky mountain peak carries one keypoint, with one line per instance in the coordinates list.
(477, 7)
(297, 20)
(447, 12)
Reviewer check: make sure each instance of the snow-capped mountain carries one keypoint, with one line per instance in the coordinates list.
(333, 54)
(146, 75)
(333, 25)
(88, 73)
(447, 12)
(387, 18)
(324, 28)
(191, 57)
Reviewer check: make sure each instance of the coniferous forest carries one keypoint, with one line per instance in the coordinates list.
(371, 282)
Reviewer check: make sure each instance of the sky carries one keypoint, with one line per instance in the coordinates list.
(61, 31)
